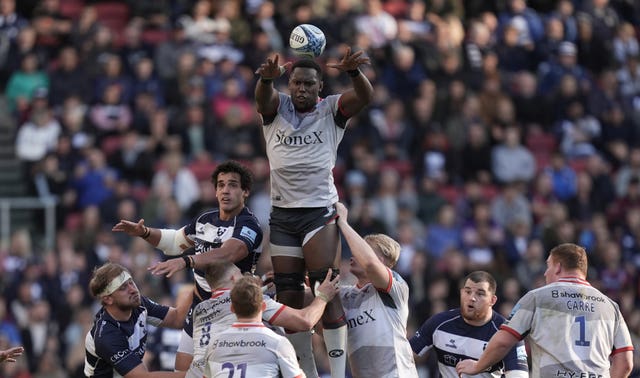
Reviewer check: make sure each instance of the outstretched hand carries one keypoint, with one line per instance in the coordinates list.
(11, 354)
(167, 268)
(130, 228)
(271, 69)
(350, 61)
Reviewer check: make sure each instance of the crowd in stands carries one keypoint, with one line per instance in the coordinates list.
(498, 130)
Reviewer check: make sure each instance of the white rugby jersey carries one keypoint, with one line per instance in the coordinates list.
(251, 350)
(213, 316)
(302, 150)
(377, 329)
(572, 328)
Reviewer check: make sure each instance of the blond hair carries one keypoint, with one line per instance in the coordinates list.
(103, 275)
(246, 296)
(386, 247)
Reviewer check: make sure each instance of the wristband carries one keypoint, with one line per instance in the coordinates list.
(147, 232)
(187, 261)
(322, 296)
(354, 73)
(266, 81)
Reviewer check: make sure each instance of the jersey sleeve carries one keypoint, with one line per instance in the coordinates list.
(516, 359)
(422, 341)
(249, 232)
(521, 317)
(113, 346)
(397, 291)
(287, 360)
(622, 338)
(155, 312)
(272, 310)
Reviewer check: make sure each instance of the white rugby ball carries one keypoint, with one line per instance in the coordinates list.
(307, 40)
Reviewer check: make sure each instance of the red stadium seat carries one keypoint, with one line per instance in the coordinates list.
(71, 8)
(154, 36)
(115, 16)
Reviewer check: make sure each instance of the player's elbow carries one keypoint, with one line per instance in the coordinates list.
(303, 323)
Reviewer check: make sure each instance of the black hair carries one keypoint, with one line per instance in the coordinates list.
(481, 276)
(231, 166)
(307, 63)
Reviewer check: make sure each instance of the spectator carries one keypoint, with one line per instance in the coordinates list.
(38, 136)
(132, 160)
(11, 25)
(551, 71)
(510, 206)
(510, 161)
(525, 19)
(443, 234)
(112, 115)
(625, 43)
(167, 53)
(69, 79)
(178, 178)
(24, 82)
(93, 179)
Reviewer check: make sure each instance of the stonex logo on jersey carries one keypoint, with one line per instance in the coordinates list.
(364, 318)
(298, 140)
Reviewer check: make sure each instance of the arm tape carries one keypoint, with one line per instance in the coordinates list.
(171, 241)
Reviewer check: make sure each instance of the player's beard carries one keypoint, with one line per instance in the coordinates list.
(472, 314)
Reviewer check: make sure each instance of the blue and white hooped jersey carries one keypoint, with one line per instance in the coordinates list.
(114, 348)
(454, 340)
(208, 232)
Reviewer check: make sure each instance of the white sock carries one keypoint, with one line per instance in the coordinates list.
(301, 342)
(336, 341)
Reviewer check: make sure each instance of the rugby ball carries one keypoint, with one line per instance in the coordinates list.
(307, 40)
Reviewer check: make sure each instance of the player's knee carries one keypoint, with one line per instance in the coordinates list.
(288, 282)
(319, 275)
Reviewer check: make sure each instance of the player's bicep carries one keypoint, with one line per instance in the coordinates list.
(422, 341)
(237, 248)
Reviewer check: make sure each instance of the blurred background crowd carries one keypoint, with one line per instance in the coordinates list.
(498, 129)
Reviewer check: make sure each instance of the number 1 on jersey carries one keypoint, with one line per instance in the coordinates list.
(582, 322)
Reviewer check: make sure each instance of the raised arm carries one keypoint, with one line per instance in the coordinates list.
(170, 242)
(265, 94)
(353, 100)
(376, 271)
(175, 316)
(304, 319)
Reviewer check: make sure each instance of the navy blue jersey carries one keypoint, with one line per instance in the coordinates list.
(114, 348)
(208, 232)
(455, 340)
